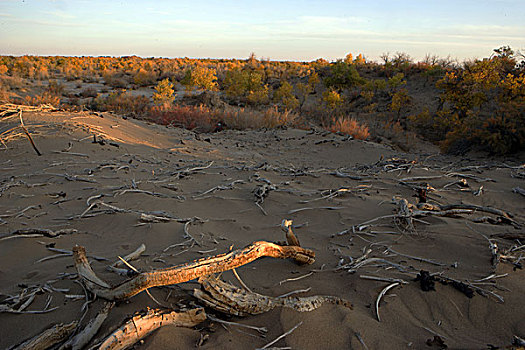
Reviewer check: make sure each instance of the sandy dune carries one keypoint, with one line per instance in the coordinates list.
(54, 190)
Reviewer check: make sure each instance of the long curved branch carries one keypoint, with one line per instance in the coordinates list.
(185, 272)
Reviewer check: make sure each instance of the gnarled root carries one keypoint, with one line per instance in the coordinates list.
(229, 299)
(140, 326)
(185, 272)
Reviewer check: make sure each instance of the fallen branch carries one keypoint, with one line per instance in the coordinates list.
(80, 340)
(140, 326)
(28, 134)
(39, 232)
(48, 338)
(185, 272)
(229, 299)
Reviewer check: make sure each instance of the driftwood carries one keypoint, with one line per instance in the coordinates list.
(229, 299)
(185, 272)
(84, 337)
(291, 238)
(140, 326)
(48, 338)
(383, 292)
(43, 232)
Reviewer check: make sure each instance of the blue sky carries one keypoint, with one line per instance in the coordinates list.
(289, 30)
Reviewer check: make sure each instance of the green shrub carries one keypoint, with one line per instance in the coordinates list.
(342, 75)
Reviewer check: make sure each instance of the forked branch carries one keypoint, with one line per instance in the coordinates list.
(185, 272)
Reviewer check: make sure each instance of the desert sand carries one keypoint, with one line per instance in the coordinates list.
(147, 168)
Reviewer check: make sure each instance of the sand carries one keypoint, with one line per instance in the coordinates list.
(300, 164)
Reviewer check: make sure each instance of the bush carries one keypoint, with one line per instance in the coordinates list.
(350, 126)
(332, 99)
(285, 97)
(46, 97)
(188, 117)
(200, 77)
(342, 75)
(123, 103)
(247, 85)
(204, 119)
(144, 78)
(88, 92)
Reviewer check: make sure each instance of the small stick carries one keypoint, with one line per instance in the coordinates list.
(358, 336)
(416, 258)
(293, 211)
(131, 256)
(295, 292)
(262, 330)
(296, 278)
(28, 134)
(383, 279)
(383, 292)
(282, 336)
(240, 280)
(187, 232)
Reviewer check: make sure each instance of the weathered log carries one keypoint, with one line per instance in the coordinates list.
(186, 272)
(229, 299)
(51, 336)
(80, 340)
(140, 326)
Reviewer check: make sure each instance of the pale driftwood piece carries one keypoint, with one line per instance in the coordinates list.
(49, 337)
(140, 326)
(186, 272)
(185, 172)
(281, 336)
(299, 291)
(154, 218)
(470, 176)
(340, 173)
(131, 256)
(229, 186)
(80, 340)
(383, 292)
(353, 267)
(262, 330)
(296, 278)
(229, 299)
(383, 279)
(133, 190)
(293, 211)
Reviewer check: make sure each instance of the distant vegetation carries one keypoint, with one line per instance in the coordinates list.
(475, 105)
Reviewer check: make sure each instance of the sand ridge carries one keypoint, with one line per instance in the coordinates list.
(306, 167)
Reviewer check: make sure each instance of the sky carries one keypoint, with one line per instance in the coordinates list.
(299, 30)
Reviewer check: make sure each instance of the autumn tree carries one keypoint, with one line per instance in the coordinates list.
(284, 96)
(163, 94)
(200, 77)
